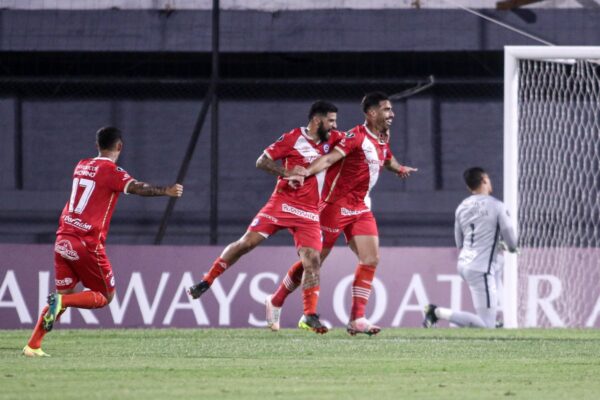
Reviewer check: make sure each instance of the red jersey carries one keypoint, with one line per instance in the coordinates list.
(298, 148)
(353, 177)
(97, 183)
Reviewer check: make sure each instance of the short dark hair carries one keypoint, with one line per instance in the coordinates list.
(107, 137)
(474, 177)
(321, 107)
(372, 100)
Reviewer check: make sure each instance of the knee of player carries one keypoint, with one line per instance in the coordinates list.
(371, 259)
(312, 260)
(245, 245)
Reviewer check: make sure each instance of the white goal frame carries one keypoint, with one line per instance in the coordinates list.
(512, 55)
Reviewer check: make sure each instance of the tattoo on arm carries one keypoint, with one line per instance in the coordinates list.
(270, 166)
(146, 189)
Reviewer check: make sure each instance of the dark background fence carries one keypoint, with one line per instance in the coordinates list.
(148, 73)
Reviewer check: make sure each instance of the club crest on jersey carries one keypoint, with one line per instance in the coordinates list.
(255, 222)
(326, 148)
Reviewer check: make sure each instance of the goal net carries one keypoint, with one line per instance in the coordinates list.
(552, 185)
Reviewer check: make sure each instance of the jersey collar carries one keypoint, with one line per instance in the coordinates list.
(103, 158)
(374, 136)
(306, 135)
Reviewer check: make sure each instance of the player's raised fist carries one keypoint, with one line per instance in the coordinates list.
(175, 190)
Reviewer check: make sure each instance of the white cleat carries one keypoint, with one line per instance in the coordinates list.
(29, 352)
(273, 314)
(362, 325)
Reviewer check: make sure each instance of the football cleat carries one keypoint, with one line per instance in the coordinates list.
(273, 314)
(54, 307)
(29, 352)
(198, 289)
(311, 323)
(430, 319)
(362, 325)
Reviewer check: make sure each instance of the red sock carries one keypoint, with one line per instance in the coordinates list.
(361, 289)
(35, 341)
(310, 298)
(218, 267)
(87, 299)
(292, 280)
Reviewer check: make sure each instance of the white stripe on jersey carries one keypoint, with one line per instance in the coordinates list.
(310, 154)
(372, 159)
(306, 150)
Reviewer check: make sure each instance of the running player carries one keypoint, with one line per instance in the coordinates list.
(79, 254)
(480, 222)
(353, 171)
(293, 205)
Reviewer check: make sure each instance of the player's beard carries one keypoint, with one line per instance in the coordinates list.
(322, 133)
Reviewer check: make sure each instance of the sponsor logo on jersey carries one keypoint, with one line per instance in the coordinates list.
(65, 249)
(346, 212)
(86, 170)
(281, 138)
(310, 159)
(77, 223)
(374, 162)
(267, 216)
(255, 222)
(350, 135)
(301, 213)
(63, 282)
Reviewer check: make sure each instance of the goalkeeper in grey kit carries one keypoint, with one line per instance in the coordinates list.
(480, 222)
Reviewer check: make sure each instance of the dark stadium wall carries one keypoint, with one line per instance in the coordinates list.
(455, 125)
(283, 31)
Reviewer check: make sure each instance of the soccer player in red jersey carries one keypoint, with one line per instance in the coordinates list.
(291, 206)
(354, 168)
(79, 254)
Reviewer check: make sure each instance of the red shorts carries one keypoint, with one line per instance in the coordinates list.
(74, 262)
(336, 219)
(303, 225)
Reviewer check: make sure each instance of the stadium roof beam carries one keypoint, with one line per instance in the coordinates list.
(510, 4)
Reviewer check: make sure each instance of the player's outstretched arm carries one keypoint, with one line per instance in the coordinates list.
(146, 189)
(401, 170)
(325, 162)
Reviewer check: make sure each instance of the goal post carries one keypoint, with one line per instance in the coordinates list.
(551, 125)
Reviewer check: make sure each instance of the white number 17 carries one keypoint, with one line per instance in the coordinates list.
(88, 187)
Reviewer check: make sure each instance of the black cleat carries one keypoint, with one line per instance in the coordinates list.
(430, 318)
(311, 323)
(198, 289)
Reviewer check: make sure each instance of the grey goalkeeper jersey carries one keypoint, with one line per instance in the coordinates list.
(480, 222)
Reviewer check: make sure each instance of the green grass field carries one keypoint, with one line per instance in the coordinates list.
(257, 364)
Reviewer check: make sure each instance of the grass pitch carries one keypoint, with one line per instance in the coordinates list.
(293, 364)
